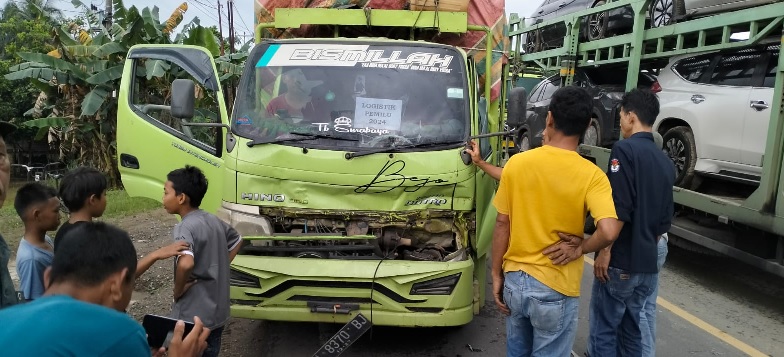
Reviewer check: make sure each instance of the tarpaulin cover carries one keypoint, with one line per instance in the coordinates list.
(485, 12)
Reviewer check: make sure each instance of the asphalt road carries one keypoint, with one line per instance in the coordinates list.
(710, 306)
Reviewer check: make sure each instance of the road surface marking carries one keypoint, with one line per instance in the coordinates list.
(696, 321)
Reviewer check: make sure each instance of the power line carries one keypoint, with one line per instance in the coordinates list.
(206, 5)
(243, 21)
(206, 12)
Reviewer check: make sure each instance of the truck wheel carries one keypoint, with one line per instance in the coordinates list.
(666, 12)
(597, 24)
(680, 148)
(591, 135)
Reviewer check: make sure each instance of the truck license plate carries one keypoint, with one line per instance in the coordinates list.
(347, 335)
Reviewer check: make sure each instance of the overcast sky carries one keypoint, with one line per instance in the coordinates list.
(207, 10)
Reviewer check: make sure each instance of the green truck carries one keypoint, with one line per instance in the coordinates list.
(742, 218)
(342, 164)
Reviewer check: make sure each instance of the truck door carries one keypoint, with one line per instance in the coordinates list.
(150, 141)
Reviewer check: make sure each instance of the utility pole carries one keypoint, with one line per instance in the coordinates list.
(220, 27)
(231, 26)
(107, 20)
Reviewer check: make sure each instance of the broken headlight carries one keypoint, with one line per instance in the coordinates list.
(439, 286)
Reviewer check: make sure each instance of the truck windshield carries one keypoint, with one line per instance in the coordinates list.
(352, 96)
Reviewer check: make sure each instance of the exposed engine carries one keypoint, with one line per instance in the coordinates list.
(419, 236)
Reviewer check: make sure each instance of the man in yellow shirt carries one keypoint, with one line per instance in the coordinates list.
(545, 191)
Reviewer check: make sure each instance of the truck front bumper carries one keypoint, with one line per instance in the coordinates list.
(403, 293)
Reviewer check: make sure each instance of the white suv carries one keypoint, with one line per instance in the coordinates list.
(715, 110)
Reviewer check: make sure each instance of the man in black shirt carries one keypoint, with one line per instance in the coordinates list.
(626, 273)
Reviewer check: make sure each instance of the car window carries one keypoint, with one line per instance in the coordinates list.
(548, 91)
(773, 66)
(692, 69)
(536, 92)
(735, 69)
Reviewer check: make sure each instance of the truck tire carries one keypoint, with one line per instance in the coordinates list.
(679, 146)
(665, 12)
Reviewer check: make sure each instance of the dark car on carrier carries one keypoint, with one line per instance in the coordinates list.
(606, 88)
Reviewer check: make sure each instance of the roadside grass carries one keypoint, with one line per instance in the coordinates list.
(119, 204)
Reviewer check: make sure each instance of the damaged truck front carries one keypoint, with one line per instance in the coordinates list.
(341, 165)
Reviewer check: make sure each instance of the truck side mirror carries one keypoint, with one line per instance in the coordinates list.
(516, 109)
(183, 98)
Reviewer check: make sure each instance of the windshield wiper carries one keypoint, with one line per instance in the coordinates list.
(303, 137)
(400, 147)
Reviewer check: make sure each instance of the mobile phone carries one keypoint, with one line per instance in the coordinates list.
(160, 330)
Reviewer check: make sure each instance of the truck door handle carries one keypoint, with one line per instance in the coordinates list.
(759, 105)
(697, 99)
(129, 161)
(562, 5)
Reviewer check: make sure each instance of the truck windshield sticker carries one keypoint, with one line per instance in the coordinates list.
(351, 56)
(378, 113)
(344, 125)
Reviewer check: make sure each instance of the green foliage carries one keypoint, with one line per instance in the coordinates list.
(201, 36)
(71, 89)
(20, 34)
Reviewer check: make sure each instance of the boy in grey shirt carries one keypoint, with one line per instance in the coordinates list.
(201, 274)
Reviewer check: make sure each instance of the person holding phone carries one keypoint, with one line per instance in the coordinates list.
(88, 288)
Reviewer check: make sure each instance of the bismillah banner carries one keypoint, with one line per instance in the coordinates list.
(480, 12)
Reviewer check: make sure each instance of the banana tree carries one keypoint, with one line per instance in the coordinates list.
(78, 80)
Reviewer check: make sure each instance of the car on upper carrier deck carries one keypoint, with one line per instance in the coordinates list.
(619, 21)
(715, 111)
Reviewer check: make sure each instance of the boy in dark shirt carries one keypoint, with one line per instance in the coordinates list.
(39, 209)
(83, 192)
(201, 274)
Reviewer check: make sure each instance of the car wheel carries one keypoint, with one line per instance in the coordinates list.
(533, 42)
(680, 148)
(665, 12)
(597, 24)
(524, 141)
(591, 135)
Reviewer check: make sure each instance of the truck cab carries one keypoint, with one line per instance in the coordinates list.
(342, 166)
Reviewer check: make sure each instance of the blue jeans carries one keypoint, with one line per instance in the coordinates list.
(648, 317)
(213, 343)
(543, 321)
(614, 316)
